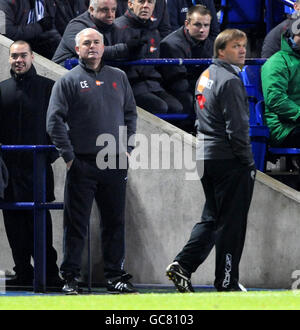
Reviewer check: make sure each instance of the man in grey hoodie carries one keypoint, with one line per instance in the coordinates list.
(89, 103)
(229, 171)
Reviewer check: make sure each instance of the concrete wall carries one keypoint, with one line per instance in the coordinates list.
(163, 206)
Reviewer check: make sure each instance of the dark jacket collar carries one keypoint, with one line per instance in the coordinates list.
(102, 27)
(136, 21)
(29, 74)
(193, 42)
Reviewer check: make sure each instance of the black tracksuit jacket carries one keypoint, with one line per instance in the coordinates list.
(23, 108)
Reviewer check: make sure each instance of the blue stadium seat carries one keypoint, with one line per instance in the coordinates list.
(276, 11)
(259, 134)
(241, 14)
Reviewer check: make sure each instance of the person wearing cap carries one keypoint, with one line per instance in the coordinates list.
(280, 77)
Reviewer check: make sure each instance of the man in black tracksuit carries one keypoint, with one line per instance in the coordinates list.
(160, 16)
(23, 107)
(228, 173)
(114, 47)
(93, 100)
(145, 79)
(32, 21)
(190, 41)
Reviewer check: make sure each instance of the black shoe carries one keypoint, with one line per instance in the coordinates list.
(121, 285)
(179, 277)
(71, 286)
(236, 288)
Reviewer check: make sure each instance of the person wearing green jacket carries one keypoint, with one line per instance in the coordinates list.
(280, 77)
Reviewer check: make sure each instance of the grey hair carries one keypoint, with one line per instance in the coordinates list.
(95, 3)
(78, 35)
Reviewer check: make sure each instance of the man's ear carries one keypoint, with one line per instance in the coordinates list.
(129, 4)
(77, 50)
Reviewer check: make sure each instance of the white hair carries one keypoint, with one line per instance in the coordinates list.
(95, 3)
(78, 35)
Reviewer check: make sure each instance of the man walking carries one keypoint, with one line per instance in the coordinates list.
(229, 172)
(92, 100)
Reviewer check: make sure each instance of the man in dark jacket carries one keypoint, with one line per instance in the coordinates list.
(272, 41)
(32, 21)
(146, 80)
(104, 106)
(189, 41)
(228, 173)
(160, 16)
(178, 9)
(23, 106)
(100, 16)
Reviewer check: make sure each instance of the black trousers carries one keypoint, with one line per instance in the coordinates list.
(84, 182)
(292, 140)
(228, 187)
(159, 102)
(19, 226)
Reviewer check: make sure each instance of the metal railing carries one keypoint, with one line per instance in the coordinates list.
(39, 207)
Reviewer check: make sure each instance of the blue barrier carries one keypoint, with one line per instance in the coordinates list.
(70, 63)
(39, 207)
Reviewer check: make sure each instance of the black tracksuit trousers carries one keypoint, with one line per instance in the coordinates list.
(228, 187)
(84, 182)
(19, 226)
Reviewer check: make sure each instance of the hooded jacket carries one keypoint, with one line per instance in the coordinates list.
(160, 16)
(280, 77)
(23, 108)
(114, 49)
(223, 112)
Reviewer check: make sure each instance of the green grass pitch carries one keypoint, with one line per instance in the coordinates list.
(253, 300)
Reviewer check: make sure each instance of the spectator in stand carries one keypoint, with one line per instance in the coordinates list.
(280, 77)
(146, 80)
(272, 42)
(160, 16)
(32, 21)
(189, 41)
(99, 16)
(178, 9)
(66, 10)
